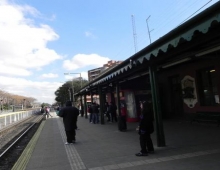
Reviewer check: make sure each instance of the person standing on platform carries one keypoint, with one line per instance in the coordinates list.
(57, 110)
(69, 115)
(89, 110)
(122, 122)
(80, 109)
(112, 111)
(42, 110)
(106, 110)
(146, 128)
(95, 112)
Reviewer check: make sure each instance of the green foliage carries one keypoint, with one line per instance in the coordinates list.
(45, 104)
(62, 93)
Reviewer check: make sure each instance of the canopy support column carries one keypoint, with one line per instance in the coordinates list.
(157, 107)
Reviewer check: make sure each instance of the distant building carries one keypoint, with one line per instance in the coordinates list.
(94, 73)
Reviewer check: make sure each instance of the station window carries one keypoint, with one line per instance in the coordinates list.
(207, 86)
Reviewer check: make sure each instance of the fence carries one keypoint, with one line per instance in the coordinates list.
(10, 118)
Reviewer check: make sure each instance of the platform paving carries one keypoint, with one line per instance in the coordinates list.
(102, 147)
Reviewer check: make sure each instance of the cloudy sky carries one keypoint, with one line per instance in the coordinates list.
(40, 40)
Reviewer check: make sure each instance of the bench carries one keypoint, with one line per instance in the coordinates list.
(207, 117)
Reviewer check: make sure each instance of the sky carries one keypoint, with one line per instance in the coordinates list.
(40, 40)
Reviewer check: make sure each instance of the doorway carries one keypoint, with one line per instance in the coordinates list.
(176, 97)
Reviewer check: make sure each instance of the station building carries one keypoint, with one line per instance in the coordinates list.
(180, 72)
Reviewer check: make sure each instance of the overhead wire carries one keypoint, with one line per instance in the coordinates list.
(195, 12)
(142, 37)
(143, 41)
(173, 18)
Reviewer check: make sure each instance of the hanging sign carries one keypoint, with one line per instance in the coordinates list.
(189, 91)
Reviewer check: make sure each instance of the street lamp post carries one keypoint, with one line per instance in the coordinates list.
(1, 106)
(71, 92)
(24, 104)
(13, 105)
(76, 73)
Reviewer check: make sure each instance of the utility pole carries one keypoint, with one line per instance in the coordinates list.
(148, 29)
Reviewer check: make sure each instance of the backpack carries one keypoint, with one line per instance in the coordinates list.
(90, 110)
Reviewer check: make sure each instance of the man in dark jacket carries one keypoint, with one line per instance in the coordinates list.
(146, 128)
(112, 111)
(69, 115)
(95, 112)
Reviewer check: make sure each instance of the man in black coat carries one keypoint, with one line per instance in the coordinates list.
(146, 128)
(69, 115)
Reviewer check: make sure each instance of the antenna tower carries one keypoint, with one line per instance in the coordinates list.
(134, 33)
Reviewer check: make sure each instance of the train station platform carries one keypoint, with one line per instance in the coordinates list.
(103, 147)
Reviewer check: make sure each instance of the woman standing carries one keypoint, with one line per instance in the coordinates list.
(122, 119)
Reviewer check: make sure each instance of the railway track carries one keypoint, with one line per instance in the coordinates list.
(15, 138)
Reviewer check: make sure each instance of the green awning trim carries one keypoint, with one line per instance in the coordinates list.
(110, 76)
(203, 28)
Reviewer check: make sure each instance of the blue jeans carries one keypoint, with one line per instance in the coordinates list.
(95, 118)
(91, 117)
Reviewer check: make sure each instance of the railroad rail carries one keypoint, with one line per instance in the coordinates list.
(12, 137)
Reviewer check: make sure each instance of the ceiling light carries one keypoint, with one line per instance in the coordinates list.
(176, 62)
(208, 51)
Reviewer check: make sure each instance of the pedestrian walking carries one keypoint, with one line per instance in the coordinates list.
(69, 115)
(146, 128)
(47, 112)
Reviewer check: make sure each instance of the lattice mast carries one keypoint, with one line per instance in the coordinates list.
(134, 33)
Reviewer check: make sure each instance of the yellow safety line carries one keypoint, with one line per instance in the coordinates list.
(26, 154)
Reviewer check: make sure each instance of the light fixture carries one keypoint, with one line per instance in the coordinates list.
(176, 62)
(131, 64)
(208, 51)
